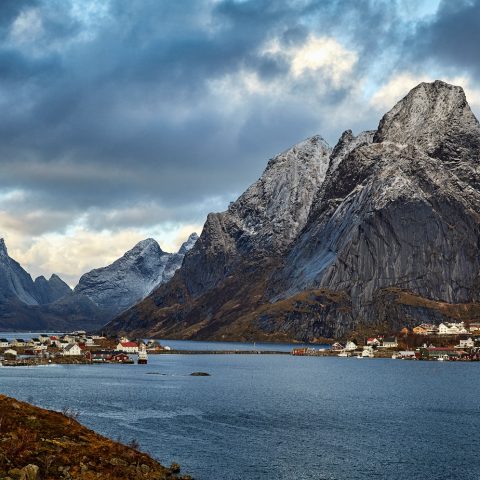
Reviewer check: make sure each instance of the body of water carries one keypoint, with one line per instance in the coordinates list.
(276, 416)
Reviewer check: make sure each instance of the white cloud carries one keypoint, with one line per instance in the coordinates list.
(323, 55)
(27, 27)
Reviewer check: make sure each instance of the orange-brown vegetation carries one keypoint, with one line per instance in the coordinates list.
(41, 444)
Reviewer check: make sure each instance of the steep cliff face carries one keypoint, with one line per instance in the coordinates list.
(132, 277)
(237, 247)
(391, 215)
(399, 212)
(263, 221)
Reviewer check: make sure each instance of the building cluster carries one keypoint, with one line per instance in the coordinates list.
(372, 347)
(460, 328)
(68, 345)
(78, 346)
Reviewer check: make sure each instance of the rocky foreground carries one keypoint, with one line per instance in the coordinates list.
(38, 444)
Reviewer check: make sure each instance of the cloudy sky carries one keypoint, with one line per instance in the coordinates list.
(126, 119)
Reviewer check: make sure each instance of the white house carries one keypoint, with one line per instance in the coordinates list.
(350, 346)
(17, 342)
(4, 343)
(127, 347)
(390, 342)
(10, 353)
(451, 329)
(72, 350)
(368, 352)
(337, 347)
(468, 343)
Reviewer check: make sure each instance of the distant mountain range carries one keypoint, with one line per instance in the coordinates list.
(100, 294)
(382, 231)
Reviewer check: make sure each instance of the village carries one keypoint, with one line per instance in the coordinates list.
(445, 342)
(75, 348)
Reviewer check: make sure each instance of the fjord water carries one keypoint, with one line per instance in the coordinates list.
(276, 416)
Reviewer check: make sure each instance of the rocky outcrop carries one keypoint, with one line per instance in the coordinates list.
(382, 230)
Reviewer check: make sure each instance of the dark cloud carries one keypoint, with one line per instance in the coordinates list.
(451, 37)
(142, 103)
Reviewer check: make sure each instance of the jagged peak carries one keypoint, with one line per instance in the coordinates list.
(149, 244)
(436, 118)
(3, 248)
(346, 143)
(188, 244)
(307, 146)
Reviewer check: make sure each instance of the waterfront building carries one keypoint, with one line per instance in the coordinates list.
(72, 350)
(390, 342)
(127, 347)
(350, 346)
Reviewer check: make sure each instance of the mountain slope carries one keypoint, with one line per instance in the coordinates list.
(237, 247)
(388, 234)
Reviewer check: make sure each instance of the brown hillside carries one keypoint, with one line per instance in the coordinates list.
(41, 444)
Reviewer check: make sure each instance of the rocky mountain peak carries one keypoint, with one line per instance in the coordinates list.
(188, 245)
(436, 118)
(148, 246)
(3, 248)
(273, 210)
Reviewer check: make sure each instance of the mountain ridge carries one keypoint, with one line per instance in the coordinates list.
(395, 208)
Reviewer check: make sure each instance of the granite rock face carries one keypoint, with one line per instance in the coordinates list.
(384, 230)
(261, 222)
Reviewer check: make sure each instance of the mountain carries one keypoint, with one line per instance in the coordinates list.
(132, 277)
(51, 305)
(30, 305)
(381, 231)
(17, 284)
(50, 290)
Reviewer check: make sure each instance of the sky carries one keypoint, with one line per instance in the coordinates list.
(124, 120)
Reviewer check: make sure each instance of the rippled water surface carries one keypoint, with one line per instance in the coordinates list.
(277, 416)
